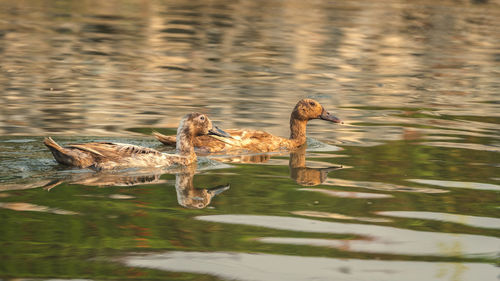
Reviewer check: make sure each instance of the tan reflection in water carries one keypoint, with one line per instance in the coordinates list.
(299, 170)
(372, 238)
(22, 206)
(308, 176)
(28, 185)
(382, 186)
(188, 196)
(259, 158)
(347, 194)
(304, 175)
(473, 146)
(475, 221)
(458, 184)
(327, 215)
(102, 179)
(264, 267)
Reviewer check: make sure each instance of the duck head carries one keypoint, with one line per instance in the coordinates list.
(307, 109)
(198, 124)
(193, 125)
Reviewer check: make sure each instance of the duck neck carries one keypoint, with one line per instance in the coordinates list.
(298, 158)
(184, 185)
(184, 143)
(297, 130)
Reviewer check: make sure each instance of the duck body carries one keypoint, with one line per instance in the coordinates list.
(107, 155)
(260, 141)
(251, 140)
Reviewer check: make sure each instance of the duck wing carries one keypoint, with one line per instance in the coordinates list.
(112, 150)
(166, 140)
(250, 134)
(242, 139)
(255, 140)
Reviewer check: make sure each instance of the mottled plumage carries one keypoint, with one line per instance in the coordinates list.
(107, 155)
(254, 140)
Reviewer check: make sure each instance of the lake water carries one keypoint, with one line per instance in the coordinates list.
(406, 189)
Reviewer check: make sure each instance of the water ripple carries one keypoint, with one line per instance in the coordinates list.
(373, 238)
(483, 222)
(256, 267)
(458, 184)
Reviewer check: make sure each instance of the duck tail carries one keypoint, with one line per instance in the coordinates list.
(59, 153)
(52, 145)
(166, 140)
(63, 155)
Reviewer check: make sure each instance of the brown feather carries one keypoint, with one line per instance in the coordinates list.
(107, 155)
(259, 141)
(167, 140)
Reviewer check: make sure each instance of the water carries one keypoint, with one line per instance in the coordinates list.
(407, 189)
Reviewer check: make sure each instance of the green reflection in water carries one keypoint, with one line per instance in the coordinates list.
(44, 244)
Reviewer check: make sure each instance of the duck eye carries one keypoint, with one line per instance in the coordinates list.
(312, 103)
(202, 118)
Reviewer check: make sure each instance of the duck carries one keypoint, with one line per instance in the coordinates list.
(261, 141)
(109, 155)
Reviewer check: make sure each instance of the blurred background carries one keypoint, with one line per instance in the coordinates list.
(97, 68)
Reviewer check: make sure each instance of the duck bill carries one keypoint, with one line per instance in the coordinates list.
(325, 115)
(215, 131)
(218, 189)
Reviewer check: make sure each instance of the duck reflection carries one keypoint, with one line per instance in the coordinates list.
(303, 175)
(188, 195)
(307, 176)
(194, 198)
(104, 179)
(259, 158)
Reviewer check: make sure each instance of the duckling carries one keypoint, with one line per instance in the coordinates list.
(107, 155)
(260, 141)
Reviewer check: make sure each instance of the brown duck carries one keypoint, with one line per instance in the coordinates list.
(107, 155)
(253, 140)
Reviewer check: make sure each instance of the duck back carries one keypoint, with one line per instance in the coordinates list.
(250, 140)
(107, 155)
